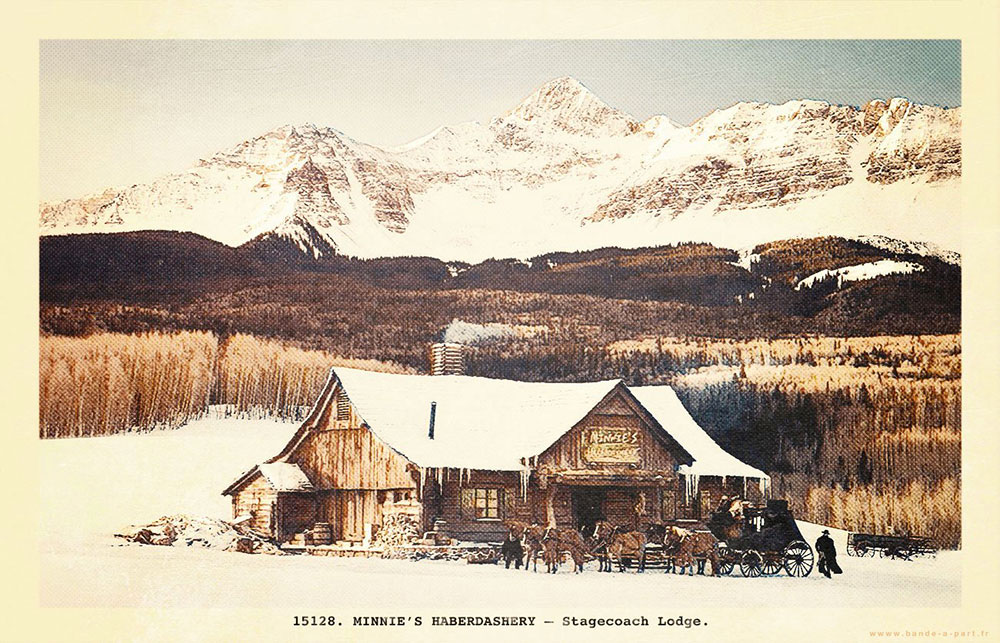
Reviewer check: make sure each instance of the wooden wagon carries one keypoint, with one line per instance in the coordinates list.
(889, 546)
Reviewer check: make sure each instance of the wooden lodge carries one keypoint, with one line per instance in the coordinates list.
(464, 454)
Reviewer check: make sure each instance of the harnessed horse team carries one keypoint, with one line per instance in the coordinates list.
(679, 548)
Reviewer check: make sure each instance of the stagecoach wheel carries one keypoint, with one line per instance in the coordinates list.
(798, 559)
(750, 564)
(727, 560)
(771, 563)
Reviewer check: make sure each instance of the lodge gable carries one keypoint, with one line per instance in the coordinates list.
(617, 436)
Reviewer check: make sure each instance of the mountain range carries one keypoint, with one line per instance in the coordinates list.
(564, 171)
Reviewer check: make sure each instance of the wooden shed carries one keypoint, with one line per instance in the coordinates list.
(471, 453)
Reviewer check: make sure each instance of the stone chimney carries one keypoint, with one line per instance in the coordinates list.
(447, 358)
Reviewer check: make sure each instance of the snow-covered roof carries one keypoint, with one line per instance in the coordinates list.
(480, 423)
(709, 458)
(285, 476)
(491, 424)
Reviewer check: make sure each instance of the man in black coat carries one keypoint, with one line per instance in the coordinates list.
(827, 552)
(512, 551)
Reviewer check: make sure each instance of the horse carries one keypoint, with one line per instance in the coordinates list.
(556, 541)
(620, 544)
(598, 544)
(686, 545)
(531, 535)
(655, 532)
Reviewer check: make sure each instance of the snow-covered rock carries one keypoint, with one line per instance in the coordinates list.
(925, 249)
(564, 171)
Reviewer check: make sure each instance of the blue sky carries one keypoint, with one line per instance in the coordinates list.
(117, 112)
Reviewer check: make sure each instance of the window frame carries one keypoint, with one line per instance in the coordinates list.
(487, 507)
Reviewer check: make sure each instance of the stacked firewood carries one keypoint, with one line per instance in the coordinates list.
(396, 530)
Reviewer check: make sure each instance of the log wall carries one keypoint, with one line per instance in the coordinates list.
(462, 523)
(257, 499)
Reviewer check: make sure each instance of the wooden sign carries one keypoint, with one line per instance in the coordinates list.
(611, 445)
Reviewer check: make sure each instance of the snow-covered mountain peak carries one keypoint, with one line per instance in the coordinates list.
(659, 125)
(447, 136)
(564, 171)
(564, 105)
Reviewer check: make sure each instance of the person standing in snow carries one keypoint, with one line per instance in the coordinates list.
(827, 552)
(511, 550)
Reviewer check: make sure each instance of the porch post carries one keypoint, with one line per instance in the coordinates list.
(550, 511)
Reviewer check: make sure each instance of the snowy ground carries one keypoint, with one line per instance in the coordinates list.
(93, 487)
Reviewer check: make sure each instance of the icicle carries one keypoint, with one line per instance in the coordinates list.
(440, 477)
(525, 474)
(423, 479)
(692, 486)
(763, 488)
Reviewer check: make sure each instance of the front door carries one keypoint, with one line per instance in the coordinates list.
(588, 508)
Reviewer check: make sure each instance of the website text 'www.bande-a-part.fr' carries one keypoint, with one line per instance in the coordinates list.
(930, 634)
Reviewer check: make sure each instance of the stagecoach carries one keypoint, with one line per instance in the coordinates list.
(761, 540)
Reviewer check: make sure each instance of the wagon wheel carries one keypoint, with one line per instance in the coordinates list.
(727, 560)
(798, 559)
(855, 549)
(750, 564)
(771, 563)
(902, 552)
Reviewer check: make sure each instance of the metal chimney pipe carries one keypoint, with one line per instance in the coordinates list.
(430, 429)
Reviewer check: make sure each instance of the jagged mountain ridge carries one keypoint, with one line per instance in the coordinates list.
(564, 171)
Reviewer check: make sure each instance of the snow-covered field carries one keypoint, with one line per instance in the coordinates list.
(93, 487)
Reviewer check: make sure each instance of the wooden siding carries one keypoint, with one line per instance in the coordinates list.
(258, 500)
(567, 453)
(349, 510)
(339, 452)
(350, 458)
(359, 479)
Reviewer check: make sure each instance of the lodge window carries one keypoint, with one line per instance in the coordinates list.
(487, 504)
(482, 503)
